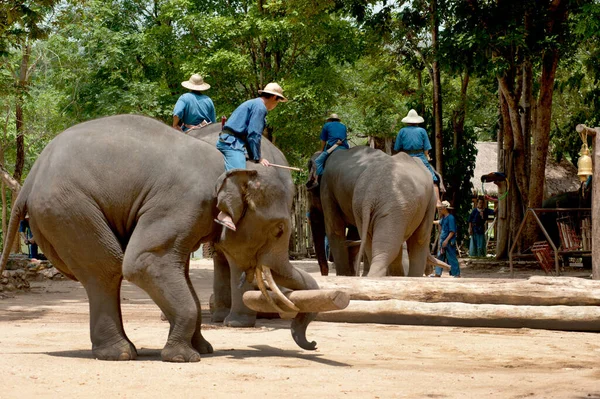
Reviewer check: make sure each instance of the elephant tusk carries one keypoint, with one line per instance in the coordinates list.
(277, 291)
(263, 289)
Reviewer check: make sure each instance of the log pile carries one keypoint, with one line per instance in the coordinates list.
(553, 303)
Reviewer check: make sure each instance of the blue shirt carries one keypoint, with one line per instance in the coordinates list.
(334, 131)
(412, 138)
(478, 221)
(193, 108)
(448, 224)
(247, 123)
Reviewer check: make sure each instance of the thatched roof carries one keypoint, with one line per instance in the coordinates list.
(560, 177)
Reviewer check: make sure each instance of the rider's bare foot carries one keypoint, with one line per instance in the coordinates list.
(225, 220)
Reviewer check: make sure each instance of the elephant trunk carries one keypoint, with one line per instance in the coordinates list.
(297, 279)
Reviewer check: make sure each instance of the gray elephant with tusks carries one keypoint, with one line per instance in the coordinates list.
(128, 197)
(231, 278)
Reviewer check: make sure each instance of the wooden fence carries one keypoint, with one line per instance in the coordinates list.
(301, 243)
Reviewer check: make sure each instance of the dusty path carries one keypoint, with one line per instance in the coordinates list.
(45, 352)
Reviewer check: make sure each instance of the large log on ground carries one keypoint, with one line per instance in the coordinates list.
(307, 301)
(536, 290)
(568, 318)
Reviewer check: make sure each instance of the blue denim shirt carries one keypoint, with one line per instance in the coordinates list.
(247, 122)
(448, 224)
(192, 109)
(412, 138)
(334, 131)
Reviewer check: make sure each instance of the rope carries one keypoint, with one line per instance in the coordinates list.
(490, 197)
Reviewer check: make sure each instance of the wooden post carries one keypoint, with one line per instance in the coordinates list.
(595, 198)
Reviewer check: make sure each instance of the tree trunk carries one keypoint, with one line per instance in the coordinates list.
(535, 291)
(437, 90)
(504, 145)
(20, 97)
(458, 128)
(4, 221)
(392, 311)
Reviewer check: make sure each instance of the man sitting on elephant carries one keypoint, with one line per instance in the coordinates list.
(413, 140)
(242, 134)
(334, 135)
(194, 109)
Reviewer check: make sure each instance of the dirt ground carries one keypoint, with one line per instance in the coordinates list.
(45, 351)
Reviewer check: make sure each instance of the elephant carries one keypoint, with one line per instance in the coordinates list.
(229, 284)
(390, 199)
(128, 197)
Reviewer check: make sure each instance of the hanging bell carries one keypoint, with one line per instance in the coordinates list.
(584, 164)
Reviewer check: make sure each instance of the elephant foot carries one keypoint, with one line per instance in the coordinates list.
(202, 345)
(123, 350)
(220, 315)
(324, 270)
(180, 353)
(240, 320)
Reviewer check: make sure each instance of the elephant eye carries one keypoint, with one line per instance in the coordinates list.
(278, 230)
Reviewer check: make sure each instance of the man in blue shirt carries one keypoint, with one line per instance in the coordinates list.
(194, 109)
(27, 236)
(413, 140)
(242, 134)
(447, 245)
(333, 133)
(477, 221)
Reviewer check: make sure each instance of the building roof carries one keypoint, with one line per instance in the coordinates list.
(560, 176)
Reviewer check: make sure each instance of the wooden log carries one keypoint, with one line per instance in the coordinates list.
(535, 291)
(305, 300)
(567, 318)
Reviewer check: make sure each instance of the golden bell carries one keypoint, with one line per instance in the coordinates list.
(584, 164)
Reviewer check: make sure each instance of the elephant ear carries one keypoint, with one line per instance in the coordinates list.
(232, 188)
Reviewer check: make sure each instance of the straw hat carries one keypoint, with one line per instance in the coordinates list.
(333, 117)
(412, 117)
(274, 88)
(446, 204)
(196, 83)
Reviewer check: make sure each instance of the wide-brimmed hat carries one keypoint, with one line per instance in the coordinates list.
(412, 117)
(196, 83)
(446, 204)
(275, 89)
(333, 117)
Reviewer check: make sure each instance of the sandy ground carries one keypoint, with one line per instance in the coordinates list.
(45, 351)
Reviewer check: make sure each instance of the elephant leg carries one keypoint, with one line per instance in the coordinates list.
(163, 275)
(418, 242)
(94, 260)
(198, 341)
(396, 267)
(387, 245)
(221, 287)
(335, 228)
(109, 341)
(418, 249)
(240, 315)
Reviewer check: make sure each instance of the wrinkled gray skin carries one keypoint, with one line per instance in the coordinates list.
(130, 197)
(390, 199)
(241, 245)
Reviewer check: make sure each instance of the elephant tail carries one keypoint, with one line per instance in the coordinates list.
(366, 221)
(19, 210)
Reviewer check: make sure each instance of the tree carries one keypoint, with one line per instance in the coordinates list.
(525, 47)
